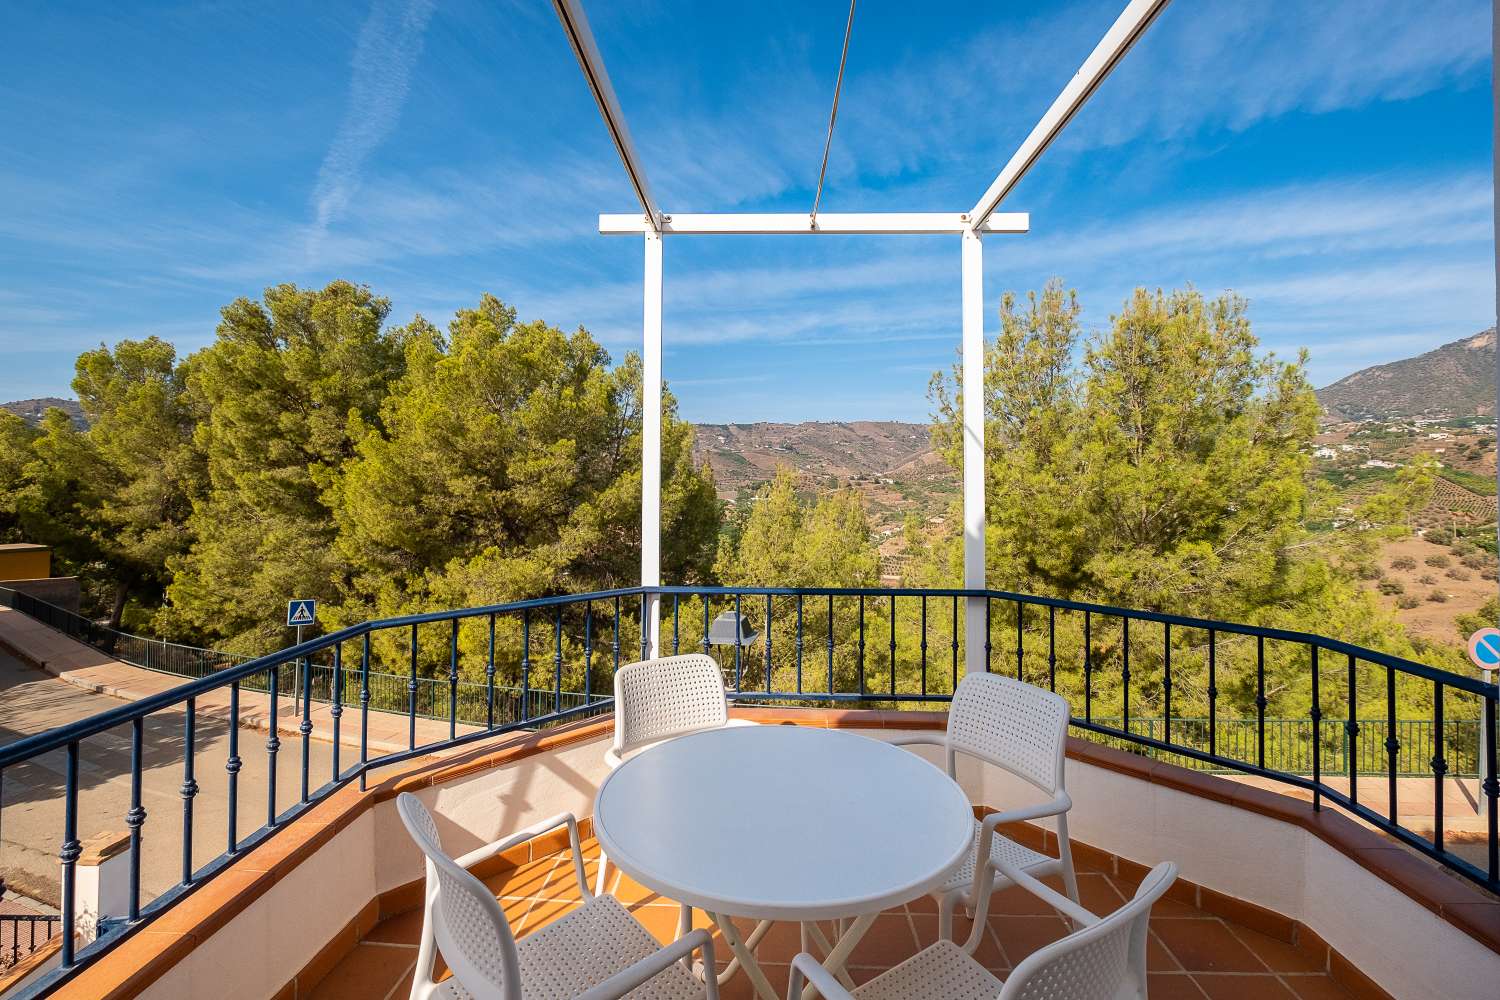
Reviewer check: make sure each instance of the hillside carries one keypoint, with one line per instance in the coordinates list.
(745, 455)
(1455, 380)
(31, 410)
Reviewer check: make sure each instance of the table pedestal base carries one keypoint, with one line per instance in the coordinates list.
(835, 954)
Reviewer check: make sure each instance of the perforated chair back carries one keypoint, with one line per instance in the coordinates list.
(1104, 962)
(467, 922)
(672, 696)
(1016, 726)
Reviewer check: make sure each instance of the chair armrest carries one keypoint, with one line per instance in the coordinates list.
(821, 979)
(534, 830)
(1059, 803)
(634, 976)
(612, 759)
(1051, 897)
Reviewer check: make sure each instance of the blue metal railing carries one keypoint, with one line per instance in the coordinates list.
(828, 645)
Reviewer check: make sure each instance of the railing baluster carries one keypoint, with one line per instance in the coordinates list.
(1166, 681)
(1213, 692)
(1051, 648)
(1317, 734)
(1351, 730)
(615, 640)
(861, 645)
(893, 645)
(1392, 744)
(799, 643)
(924, 644)
(988, 644)
(739, 647)
(557, 660)
(1491, 787)
(336, 711)
(830, 645)
(453, 679)
(136, 817)
(231, 765)
(588, 652)
(411, 689)
(190, 790)
(489, 677)
(954, 633)
(273, 744)
(1088, 670)
(645, 629)
(1020, 643)
(674, 624)
(71, 851)
(706, 644)
(305, 726)
(1260, 700)
(1125, 668)
(526, 659)
(1439, 765)
(768, 644)
(364, 711)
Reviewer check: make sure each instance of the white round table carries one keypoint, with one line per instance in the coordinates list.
(784, 823)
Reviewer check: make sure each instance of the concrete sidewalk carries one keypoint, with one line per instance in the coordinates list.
(87, 668)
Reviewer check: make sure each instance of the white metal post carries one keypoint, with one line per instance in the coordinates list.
(975, 632)
(651, 442)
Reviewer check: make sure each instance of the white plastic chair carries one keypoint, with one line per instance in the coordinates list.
(1105, 959)
(1021, 729)
(598, 951)
(661, 699)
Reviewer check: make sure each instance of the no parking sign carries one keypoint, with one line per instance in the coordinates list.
(1484, 648)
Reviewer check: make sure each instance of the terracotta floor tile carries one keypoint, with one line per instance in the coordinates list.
(630, 892)
(1020, 936)
(1172, 986)
(889, 942)
(1227, 986)
(1014, 901)
(369, 971)
(923, 904)
(527, 880)
(781, 942)
(1158, 958)
(1097, 894)
(1206, 946)
(989, 953)
(1315, 987)
(404, 928)
(1278, 955)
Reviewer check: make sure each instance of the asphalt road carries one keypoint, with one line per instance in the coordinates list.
(31, 794)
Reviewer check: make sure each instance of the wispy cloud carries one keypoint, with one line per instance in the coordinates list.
(390, 42)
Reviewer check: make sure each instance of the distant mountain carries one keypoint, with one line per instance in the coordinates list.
(1456, 380)
(746, 455)
(31, 410)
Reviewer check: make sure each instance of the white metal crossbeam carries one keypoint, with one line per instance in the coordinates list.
(576, 24)
(846, 223)
(1128, 27)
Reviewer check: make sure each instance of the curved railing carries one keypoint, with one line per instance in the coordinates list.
(1161, 684)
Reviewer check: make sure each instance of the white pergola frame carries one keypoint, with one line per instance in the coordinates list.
(652, 225)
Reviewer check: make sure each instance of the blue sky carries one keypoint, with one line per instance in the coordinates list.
(1330, 161)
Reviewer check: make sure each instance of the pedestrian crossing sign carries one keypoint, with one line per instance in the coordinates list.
(301, 612)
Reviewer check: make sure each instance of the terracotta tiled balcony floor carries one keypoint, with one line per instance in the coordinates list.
(1192, 953)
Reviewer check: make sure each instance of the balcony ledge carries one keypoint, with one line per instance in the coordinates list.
(145, 962)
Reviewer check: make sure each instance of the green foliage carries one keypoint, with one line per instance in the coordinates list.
(279, 397)
(16, 437)
(506, 464)
(786, 543)
(1404, 562)
(1164, 463)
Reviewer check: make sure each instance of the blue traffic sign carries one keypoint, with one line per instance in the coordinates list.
(1484, 648)
(301, 612)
